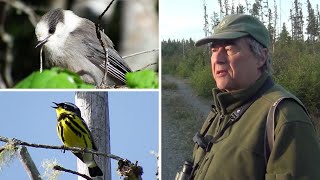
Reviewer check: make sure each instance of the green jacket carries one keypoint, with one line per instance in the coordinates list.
(239, 153)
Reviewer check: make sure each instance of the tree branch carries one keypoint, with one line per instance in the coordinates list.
(76, 149)
(138, 53)
(104, 80)
(145, 67)
(24, 8)
(7, 39)
(59, 168)
(28, 163)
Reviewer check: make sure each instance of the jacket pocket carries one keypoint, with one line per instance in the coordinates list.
(284, 176)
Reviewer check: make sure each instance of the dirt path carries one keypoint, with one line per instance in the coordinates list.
(199, 104)
(182, 116)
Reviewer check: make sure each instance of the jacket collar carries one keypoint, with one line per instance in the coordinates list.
(227, 102)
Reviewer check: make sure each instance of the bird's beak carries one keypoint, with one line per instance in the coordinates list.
(42, 42)
(57, 105)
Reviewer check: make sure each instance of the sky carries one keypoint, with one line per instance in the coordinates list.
(180, 19)
(28, 116)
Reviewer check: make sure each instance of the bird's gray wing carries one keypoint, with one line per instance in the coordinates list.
(117, 67)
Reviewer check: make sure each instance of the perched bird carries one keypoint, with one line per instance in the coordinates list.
(74, 132)
(70, 41)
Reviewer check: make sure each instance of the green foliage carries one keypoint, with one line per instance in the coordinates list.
(53, 78)
(142, 79)
(183, 70)
(202, 81)
(194, 64)
(297, 69)
(169, 67)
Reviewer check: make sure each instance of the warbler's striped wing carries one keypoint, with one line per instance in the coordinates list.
(74, 132)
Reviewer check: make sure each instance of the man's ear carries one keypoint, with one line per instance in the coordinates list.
(263, 59)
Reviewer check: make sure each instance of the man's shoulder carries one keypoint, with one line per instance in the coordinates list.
(276, 92)
(289, 110)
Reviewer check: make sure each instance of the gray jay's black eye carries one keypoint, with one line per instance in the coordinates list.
(51, 30)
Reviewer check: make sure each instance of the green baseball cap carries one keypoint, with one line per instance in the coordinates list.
(238, 25)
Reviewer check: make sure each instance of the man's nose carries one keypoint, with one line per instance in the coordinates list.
(219, 56)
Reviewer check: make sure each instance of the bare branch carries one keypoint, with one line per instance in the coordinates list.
(59, 168)
(76, 149)
(24, 8)
(104, 80)
(138, 53)
(28, 163)
(7, 51)
(145, 67)
(8, 40)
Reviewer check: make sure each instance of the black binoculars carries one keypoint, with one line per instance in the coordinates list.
(185, 174)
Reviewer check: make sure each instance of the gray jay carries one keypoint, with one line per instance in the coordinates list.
(70, 41)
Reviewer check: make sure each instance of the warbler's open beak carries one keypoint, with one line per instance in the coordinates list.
(57, 105)
(42, 42)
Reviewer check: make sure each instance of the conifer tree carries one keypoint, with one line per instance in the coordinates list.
(296, 18)
(205, 16)
(312, 27)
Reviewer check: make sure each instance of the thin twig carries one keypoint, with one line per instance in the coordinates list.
(100, 17)
(145, 67)
(138, 53)
(41, 61)
(74, 149)
(106, 64)
(24, 8)
(59, 168)
(104, 81)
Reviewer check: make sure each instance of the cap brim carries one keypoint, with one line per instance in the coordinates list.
(220, 36)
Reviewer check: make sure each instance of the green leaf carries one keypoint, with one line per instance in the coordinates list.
(53, 78)
(142, 79)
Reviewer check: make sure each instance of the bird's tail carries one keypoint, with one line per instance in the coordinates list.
(95, 171)
(88, 159)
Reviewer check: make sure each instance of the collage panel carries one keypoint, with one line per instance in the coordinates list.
(109, 48)
(240, 89)
(122, 125)
(68, 44)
